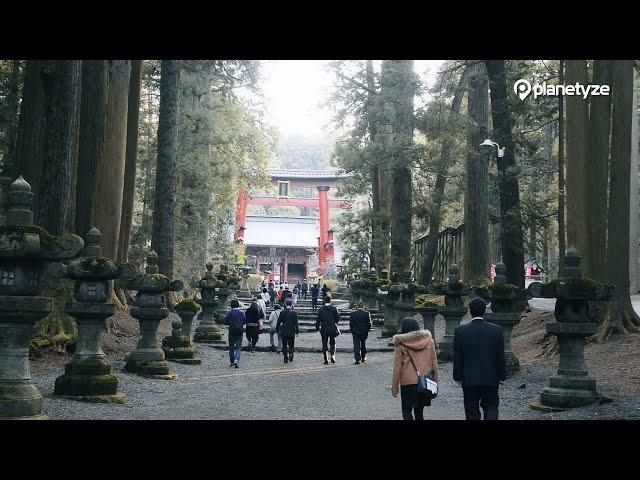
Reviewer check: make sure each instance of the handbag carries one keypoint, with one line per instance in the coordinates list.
(426, 383)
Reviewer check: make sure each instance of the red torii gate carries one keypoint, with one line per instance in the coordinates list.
(285, 180)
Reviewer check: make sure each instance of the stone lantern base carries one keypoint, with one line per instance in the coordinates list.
(179, 350)
(452, 318)
(572, 386)
(89, 380)
(208, 333)
(507, 321)
(157, 369)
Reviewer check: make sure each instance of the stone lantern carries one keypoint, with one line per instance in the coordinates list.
(25, 250)
(405, 305)
(245, 280)
(150, 307)
(506, 310)
(572, 386)
(88, 377)
(223, 291)
(453, 311)
(177, 346)
(208, 331)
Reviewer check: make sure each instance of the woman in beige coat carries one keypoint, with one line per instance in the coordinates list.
(405, 379)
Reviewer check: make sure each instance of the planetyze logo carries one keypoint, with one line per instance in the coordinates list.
(523, 89)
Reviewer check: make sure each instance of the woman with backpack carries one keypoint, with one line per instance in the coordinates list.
(415, 352)
(287, 326)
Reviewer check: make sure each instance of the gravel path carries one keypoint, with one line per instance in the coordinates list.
(265, 388)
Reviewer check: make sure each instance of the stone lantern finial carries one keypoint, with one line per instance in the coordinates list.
(572, 260)
(454, 273)
(209, 272)
(19, 203)
(152, 263)
(501, 274)
(92, 247)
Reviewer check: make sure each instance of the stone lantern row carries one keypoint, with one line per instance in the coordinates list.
(28, 253)
(572, 386)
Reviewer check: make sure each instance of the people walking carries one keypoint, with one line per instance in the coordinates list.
(325, 289)
(413, 343)
(236, 319)
(272, 295)
(360, 324)
(479, 363)
(314, 298)
(279, 296)
(327, 325)
(288, 327)
(254, 315)
(273, 324)
(305, 288)
(263, 300)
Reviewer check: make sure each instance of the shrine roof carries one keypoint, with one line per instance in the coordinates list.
(272, 231)
(307, 174)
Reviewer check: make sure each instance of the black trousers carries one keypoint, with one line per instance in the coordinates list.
(359, 347)
(485, 397)
(288, 344)
(412, 400)
(327, 339)
(314, 304)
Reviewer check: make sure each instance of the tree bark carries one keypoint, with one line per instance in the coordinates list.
(397, 76)
(13, 106)
(512, 246)
(107, 208)
(377, 258)
(577, 163)
(93, 114)
(620, 316)
(44, 146)
(475, 268)
(162, 240)
(597, 172)
(131, 159)
(562, 246)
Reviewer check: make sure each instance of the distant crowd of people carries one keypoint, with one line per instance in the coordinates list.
(478, 347)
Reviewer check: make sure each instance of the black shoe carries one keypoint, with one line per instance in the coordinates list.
(236, 365)
(326, 362)
(333, 358)
(291, 358)
(286, 360)
(364, 360)
(356, 362)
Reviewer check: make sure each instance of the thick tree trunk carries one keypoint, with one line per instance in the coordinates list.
(93, 114)
(634, 221)
(162, 240)
(44, 146)
(398, 83)
(578, 216)
(377, 259)
(131, 159)
(13, 106)
(431, 247)
(597, 172)
(562, 246)
(107, 208)
(512, 246)
(620, 316)
(475, 269)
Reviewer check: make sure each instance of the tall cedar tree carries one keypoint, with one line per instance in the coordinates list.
(164, 202)
(109, 180)
(620, 316)
(512, 247)
(45, 140)
(398, 82)
(476, 196)
(131, 158)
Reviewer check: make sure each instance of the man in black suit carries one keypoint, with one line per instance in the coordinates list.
(478, 363)
(360, 324)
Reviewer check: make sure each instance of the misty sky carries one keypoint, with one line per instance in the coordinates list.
(294, 91)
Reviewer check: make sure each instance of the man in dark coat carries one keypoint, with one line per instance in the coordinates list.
(314, 297)
(236, 319)
(327, 325)
(360, 324)
(305, 288)
(287, 326)
(478, 363)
